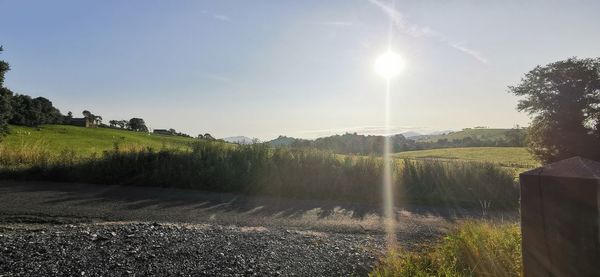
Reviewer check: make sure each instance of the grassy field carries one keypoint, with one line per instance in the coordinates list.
(259, 169)
(86, 141)
(110, 156)
(513, 157)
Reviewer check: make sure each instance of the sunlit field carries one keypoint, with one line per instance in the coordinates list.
(514, 157)
(85, 141)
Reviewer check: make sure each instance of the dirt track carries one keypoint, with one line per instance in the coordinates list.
(56, 228)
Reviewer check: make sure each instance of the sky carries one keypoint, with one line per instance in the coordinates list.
(282, 67)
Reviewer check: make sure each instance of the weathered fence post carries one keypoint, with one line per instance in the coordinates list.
(560, 219)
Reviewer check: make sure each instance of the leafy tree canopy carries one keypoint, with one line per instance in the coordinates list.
(5, 98)
(564, 100)
(138, 125)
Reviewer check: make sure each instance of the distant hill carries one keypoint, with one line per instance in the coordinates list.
(441, 132)
(86, 141)
(411, 134)
(239, 140)
(349, 143)
(283, 141)
(352, 143)
(482, 134)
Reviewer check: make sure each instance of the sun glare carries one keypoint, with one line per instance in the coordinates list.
(389, 65)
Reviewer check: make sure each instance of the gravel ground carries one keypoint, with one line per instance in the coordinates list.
(144, 249)
(58, 229)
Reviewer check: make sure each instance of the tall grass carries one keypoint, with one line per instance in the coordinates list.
(24, 155)
(258, 169)
(27, 154)
(474, 249)
(458, 184)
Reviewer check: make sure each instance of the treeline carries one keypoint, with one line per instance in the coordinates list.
(370, 144)
(353, 143)
(134, 124)
(21, 109)
(28, 111)
(5, 94)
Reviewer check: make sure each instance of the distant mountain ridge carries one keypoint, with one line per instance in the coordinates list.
(353, 143)
(284, 141)
(240, 140)
(411, 134)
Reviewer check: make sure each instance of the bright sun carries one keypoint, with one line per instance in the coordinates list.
(389, 65)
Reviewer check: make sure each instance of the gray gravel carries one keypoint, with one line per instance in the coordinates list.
(59, 229)
(143, 249)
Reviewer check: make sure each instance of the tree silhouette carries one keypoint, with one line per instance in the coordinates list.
(138, 125)
(564, 100)
(5, 98)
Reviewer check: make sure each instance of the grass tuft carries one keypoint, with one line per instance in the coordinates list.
(473, 249)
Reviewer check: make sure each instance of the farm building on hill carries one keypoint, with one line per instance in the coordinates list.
(162, 132)
(82, 122)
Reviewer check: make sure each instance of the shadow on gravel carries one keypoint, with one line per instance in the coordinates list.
(186, 205)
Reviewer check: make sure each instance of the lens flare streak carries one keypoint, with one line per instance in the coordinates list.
(389, 217)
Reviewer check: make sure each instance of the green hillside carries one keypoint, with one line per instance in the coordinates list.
(476, 133)
(515, 157)
(86, 141)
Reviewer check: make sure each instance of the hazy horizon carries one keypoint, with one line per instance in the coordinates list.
(301, 69)
(378, 131)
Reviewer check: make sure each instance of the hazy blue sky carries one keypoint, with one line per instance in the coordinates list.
(299, 68)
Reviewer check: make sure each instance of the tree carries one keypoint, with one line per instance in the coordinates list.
(93, 119)
(516, 137)
(207, 136)
(113, 123)
(47, 114)
(33, 111)
(564, 100)
(97, 120)
(138, 125)
(5, 98)
(22, 110)
(67, 118)
(123, 124)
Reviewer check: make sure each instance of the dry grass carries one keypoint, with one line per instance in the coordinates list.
(29, 153)
(24, 154)
(473, 249)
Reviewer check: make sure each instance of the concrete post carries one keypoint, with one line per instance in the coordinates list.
(560, 219)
